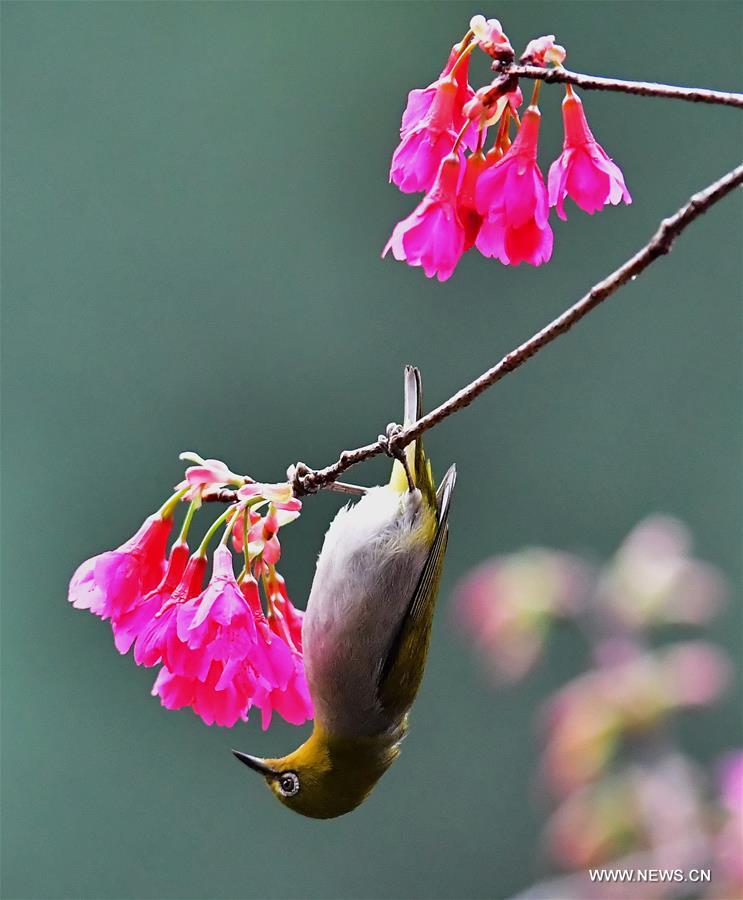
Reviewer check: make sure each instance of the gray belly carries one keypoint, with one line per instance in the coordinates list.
(366, 574)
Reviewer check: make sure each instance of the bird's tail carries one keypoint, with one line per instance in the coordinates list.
(419, 465)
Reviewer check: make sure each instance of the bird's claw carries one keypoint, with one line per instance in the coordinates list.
(390, 443)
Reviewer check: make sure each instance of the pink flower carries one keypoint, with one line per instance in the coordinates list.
(263, 532)
(508, 604)
(238, 527)
(208, 474)
(433, 236)
(512, 198)
(127, 627)
(292, 699)
(279, 494)
(488, 105)
(293, 703)
(421, 99)
(226, 659)
(286, 619)
(225, 626)
(271, 660)
(466, 206)
(731, 782)
(728, 855)
(697, 673)
(114, 582)
(215, 700)
(653, 578)
(417, 158)
(583, 171)
(154, 639)
(216, 626)
(543, 51)
(491, 38)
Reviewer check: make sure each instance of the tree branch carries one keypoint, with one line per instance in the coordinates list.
(639, 88)
(308, 481)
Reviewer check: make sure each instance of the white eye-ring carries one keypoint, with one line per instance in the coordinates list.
(288, 784)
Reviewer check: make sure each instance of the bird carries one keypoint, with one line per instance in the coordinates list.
(366, 632)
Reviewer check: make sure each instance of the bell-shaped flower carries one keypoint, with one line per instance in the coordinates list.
(227, 660)
(263, 532)
(226, 625)
(160, 633)
(216, 700)
(512, 198)
(466, 206)
(127, 627)
(281, 683)
(288, 694)
(112, 583)
(416, 160)
(583, 171)
(293, 703)
(271, 658)
(238, 527)
(216, 626)
(286, 619)
(421, 99)
(433, 235)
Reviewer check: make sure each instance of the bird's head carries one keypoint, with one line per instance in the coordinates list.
(325, 777)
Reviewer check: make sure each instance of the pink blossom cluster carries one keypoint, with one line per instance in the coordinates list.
(494, 200)
(623, 793)
(509, 604)
(219, 652)
(628, 693)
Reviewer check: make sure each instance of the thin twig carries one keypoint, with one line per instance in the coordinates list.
(639, 88)
(308, 481)
(660, 243)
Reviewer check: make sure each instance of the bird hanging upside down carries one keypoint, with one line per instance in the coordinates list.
(366, 633)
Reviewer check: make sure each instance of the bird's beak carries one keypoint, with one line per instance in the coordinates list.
(255, 763)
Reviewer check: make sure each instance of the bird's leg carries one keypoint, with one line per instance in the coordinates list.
(394, 450)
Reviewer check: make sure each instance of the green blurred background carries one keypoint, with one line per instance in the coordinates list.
(195, 198)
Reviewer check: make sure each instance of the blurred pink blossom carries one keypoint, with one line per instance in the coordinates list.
(587, 718)
(729, 844)
(654, 579)
(508, 603)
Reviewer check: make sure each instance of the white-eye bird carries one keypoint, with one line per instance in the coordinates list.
(366, 633)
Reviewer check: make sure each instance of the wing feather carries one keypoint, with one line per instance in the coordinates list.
(401, 669)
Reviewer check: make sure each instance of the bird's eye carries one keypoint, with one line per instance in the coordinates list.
(288, 784)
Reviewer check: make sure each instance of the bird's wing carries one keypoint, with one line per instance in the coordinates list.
(402, 668)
